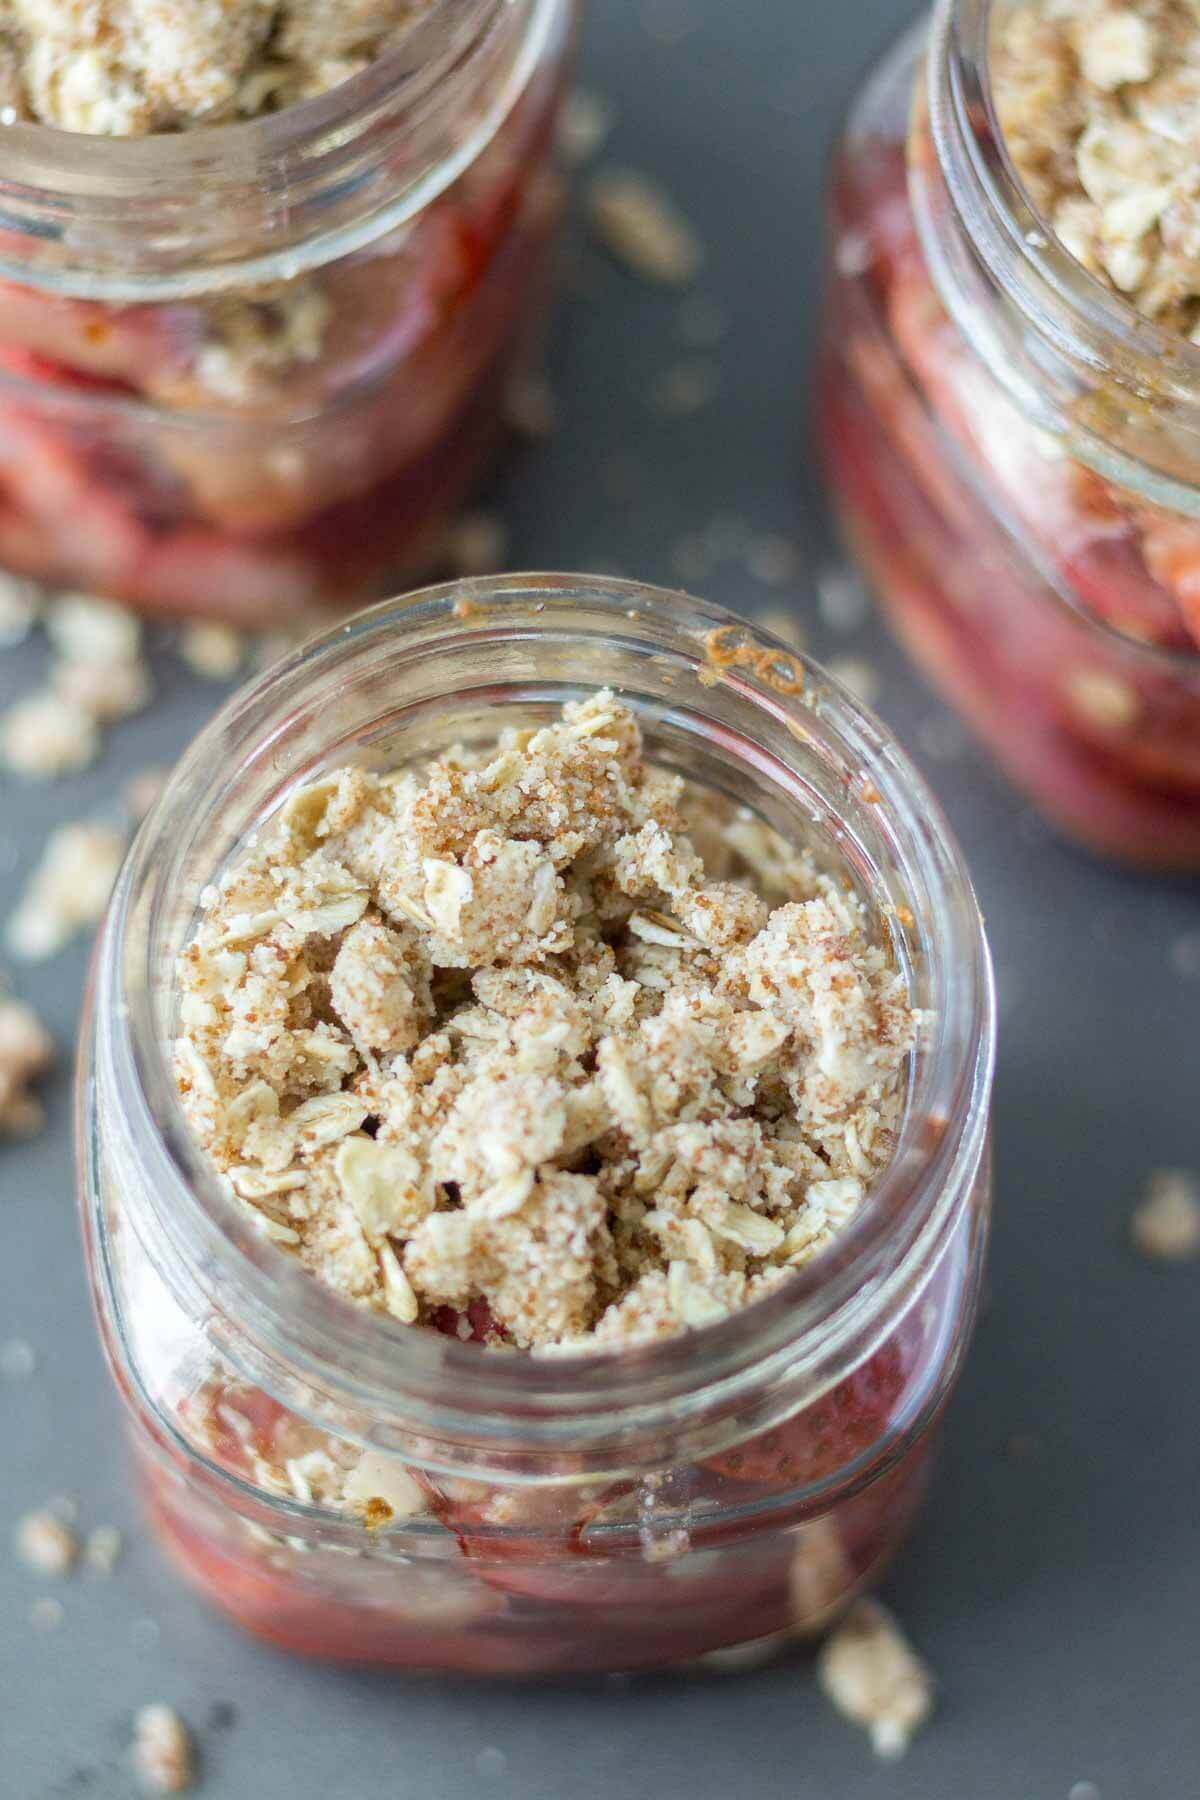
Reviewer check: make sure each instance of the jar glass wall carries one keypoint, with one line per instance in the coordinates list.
(1011, 454)
(516, 1513)
(254, 368)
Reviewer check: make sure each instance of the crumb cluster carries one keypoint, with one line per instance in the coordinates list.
(873, 1675)
(68, 890)
(98, 676)
(542, 1031)
(126, 68)
(1098, 104)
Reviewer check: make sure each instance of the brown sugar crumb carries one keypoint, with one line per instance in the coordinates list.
(1097, 102)
(543, 1030)
(1166, 1225)
(874, 1676)
(164, 1757)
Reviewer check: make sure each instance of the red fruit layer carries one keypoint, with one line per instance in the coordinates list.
(566, 1617)
(827, 1437)
(1134, 797)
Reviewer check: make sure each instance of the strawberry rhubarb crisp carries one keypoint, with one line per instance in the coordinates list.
(183, 439)
(540, 1044)
(1001, 451)
(123, 68)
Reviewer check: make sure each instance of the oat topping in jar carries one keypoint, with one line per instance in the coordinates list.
(491, 1035)
(1098, 105)
(568, 1052)
(139, 66)
(206, 418)
(1009, 420)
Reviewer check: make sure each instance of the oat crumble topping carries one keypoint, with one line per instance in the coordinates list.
(26, 1052)
(1098, 104)
(126, 68)
(543, 1028)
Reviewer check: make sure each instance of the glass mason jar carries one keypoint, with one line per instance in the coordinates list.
(518, 1513)
(254, 367)
(1013, 452)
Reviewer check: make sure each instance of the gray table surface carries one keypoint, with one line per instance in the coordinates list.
(1057, 1594)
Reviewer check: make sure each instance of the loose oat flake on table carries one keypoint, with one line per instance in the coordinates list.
(873, 1675)
(541, 1040)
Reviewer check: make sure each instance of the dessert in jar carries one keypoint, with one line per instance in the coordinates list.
(268, 271)
(1010, 389)
(534, 1138)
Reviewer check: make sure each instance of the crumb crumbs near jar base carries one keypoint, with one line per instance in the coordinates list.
(1095, 102)
(615, 1087)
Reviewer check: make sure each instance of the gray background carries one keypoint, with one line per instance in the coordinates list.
(1056, 1593)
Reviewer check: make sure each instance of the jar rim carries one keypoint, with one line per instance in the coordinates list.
(1089, 340)
(244, 202)
(371, 1366)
